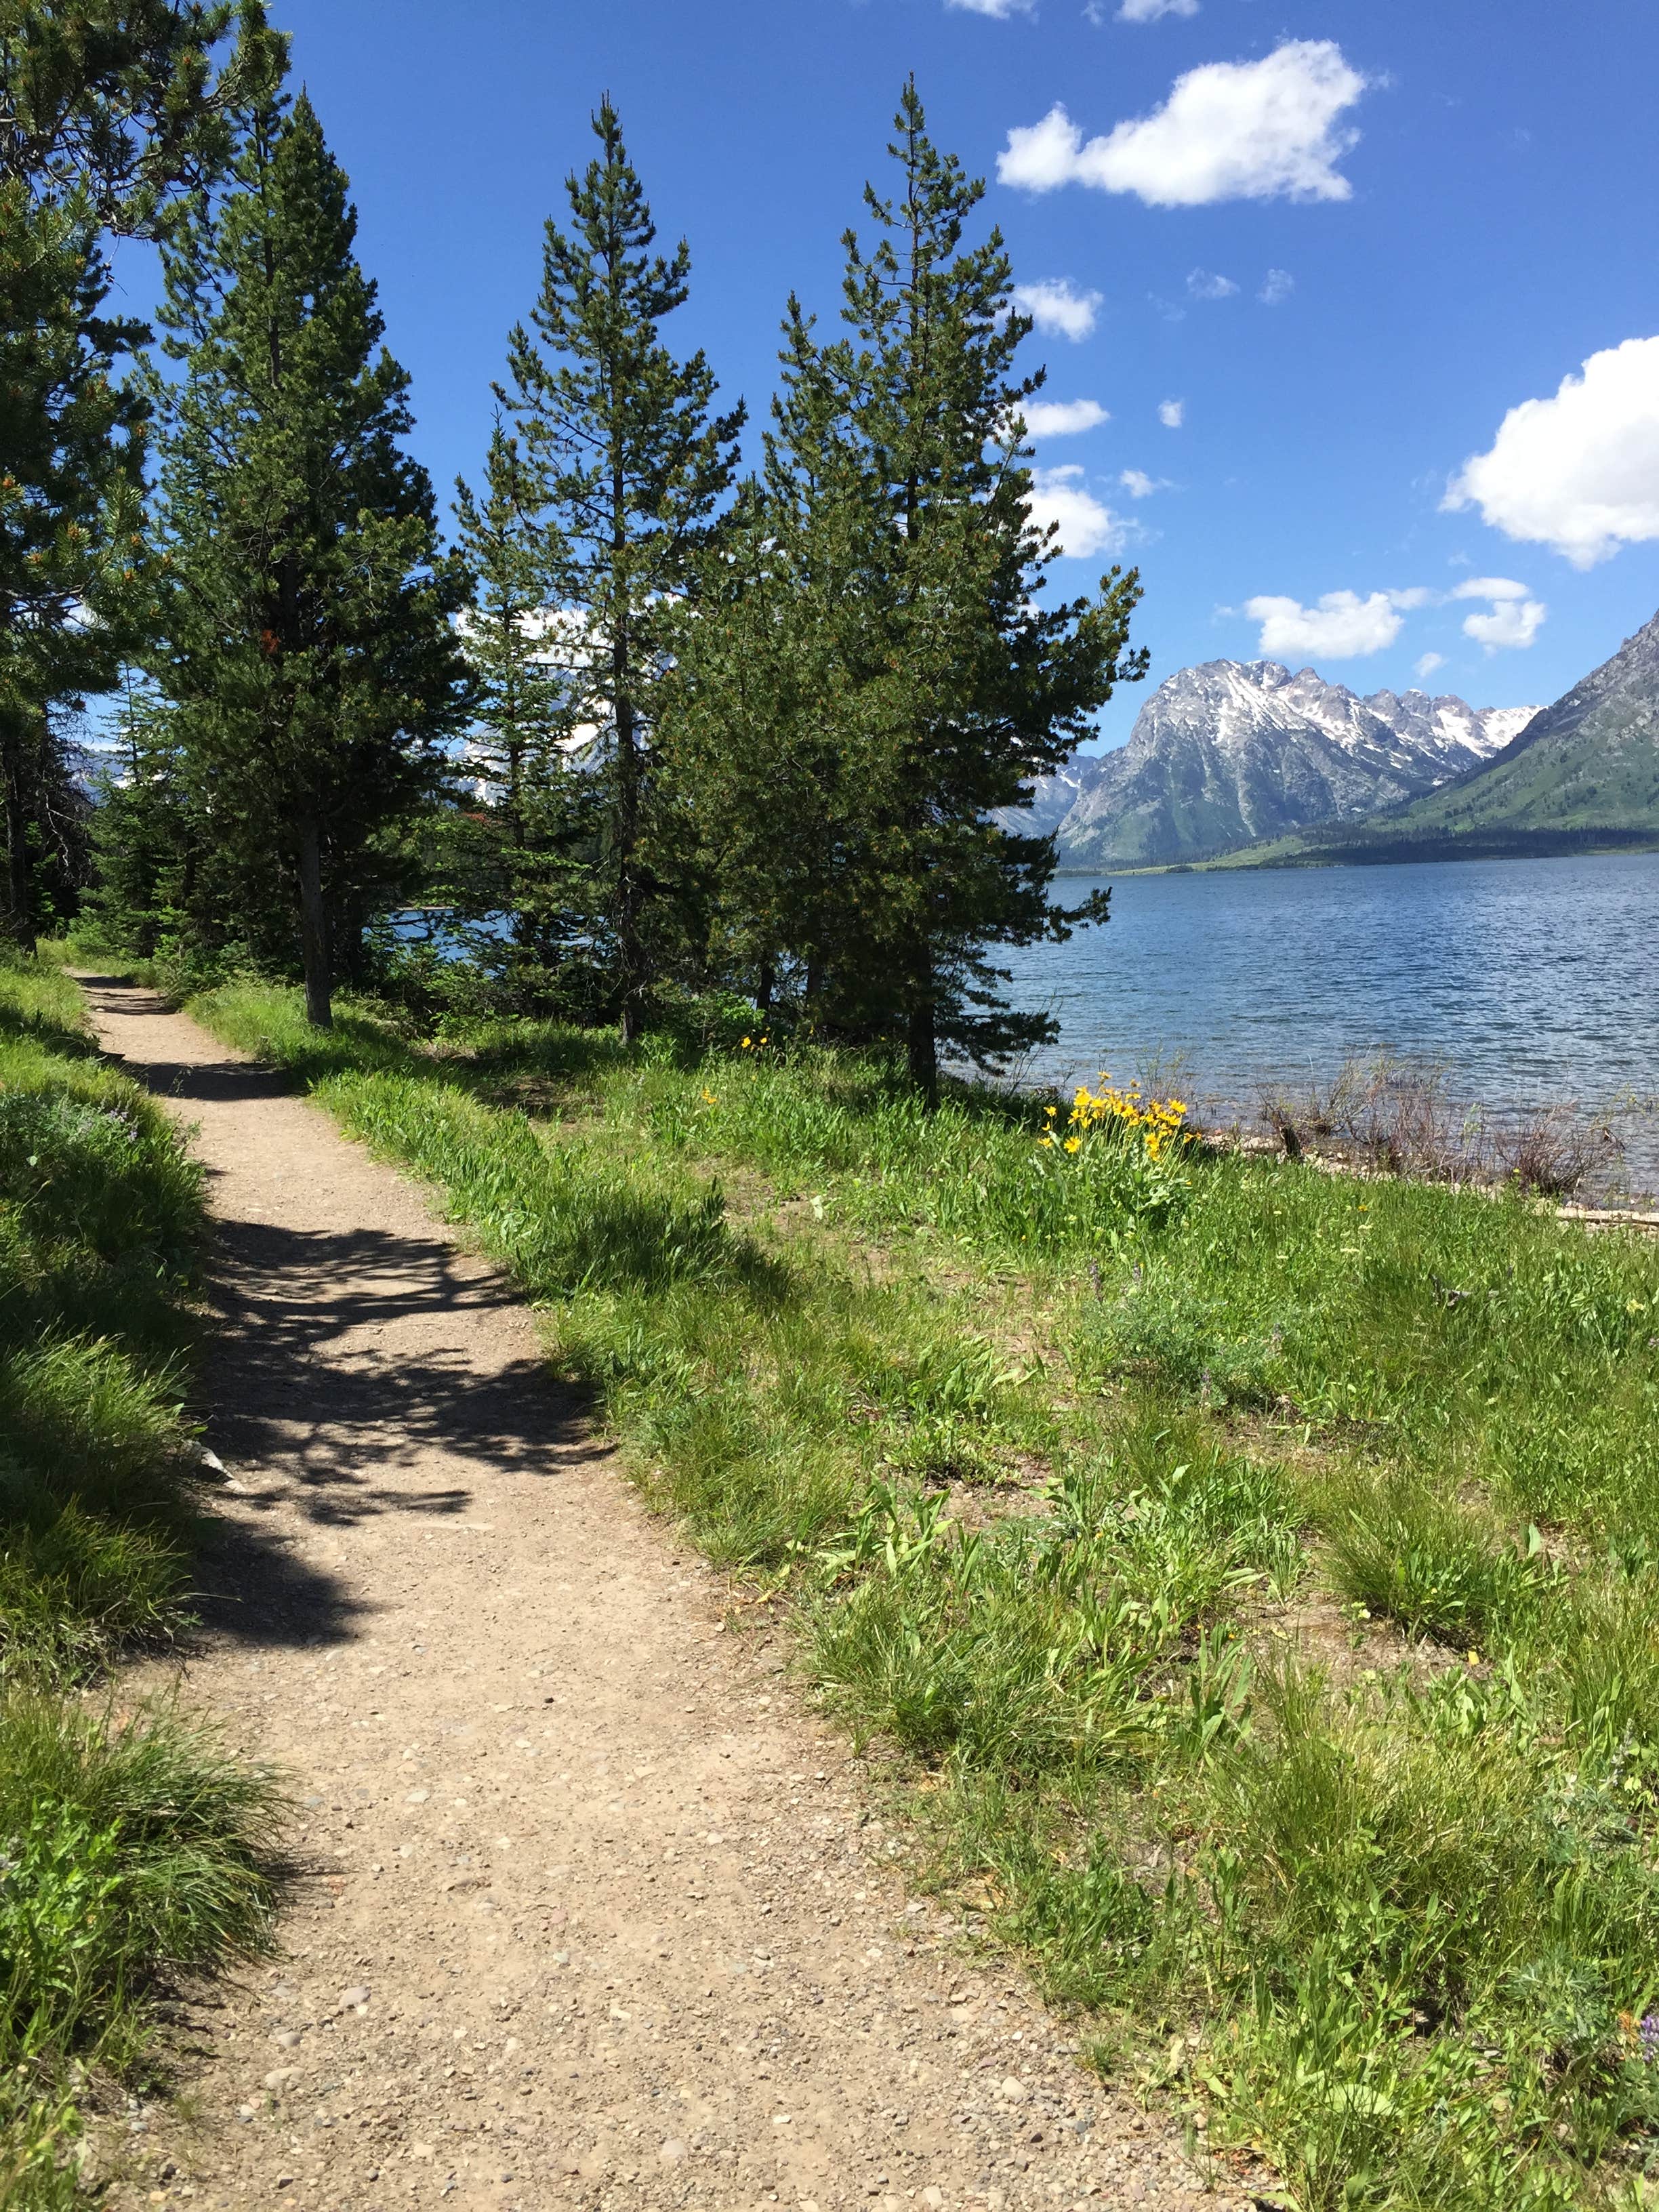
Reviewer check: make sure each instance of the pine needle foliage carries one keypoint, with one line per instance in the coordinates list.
(896, 501)
(107, 107)
(525, 849)
(71, 460)
(309, 656)
(635, 465)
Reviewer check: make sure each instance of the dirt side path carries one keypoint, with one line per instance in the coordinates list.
(593, 1914)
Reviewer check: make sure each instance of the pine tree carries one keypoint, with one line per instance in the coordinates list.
(633, 466)
(72, 459)
(755, 759)
(527, 855)
(895, 482)
(309, 660)
(106, 107)
(143, 830)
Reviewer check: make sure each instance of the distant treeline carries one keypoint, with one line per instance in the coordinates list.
(1361, 847)
(692, 729)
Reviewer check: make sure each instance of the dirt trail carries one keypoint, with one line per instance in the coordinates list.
(594, 1913)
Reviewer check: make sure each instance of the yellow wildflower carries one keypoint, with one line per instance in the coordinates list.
(1073, 1144)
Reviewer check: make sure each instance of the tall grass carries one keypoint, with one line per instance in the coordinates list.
(101, 1225)
(127, 1847)
(1069, 1468)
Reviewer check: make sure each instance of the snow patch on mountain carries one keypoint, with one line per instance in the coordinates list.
(1229, 751)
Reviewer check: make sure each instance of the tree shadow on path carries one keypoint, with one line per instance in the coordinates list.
(344, 1380)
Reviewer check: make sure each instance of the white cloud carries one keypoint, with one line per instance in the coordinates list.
(1172, 413)
(1579, 472)
(1512, 620)
(1062, 418)
(1001, 9)
(1058, 308)
(1139, 485)
(1341, 627)
(1149, 11)
(1228, 130)
(1425, 666)
(1203, 286)
(1513, 624)
(1489, 587)
(1277, 287)
(1085, 525)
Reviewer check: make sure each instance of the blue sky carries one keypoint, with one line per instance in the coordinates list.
(1347, 239)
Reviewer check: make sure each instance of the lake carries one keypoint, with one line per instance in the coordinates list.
(1530, 981)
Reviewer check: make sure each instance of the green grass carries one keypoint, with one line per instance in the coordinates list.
(1256, 1571)
(100, 1227)
(127, 1846)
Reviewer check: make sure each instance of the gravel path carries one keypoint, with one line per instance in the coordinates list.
(593, 1913)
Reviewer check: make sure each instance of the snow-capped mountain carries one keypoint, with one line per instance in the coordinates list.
(1232, 752)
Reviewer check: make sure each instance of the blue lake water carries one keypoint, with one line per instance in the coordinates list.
(1528, 981)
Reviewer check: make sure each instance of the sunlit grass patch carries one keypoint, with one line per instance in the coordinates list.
(101, 1229)
(137, 1850)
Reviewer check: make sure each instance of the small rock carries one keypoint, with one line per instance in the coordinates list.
(933, 2198)
(280, 2076)
(417, 1797)
(284, 2180)
(420, 2150)
(288, 2039)
(672, 2151)
(349, 1997)
(1012, 2088)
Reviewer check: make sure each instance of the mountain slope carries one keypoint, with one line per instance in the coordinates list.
(1230, 752)
(1584, 772)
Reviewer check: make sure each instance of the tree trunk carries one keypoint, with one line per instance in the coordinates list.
(764, 989)
(921, 1049)
(314, 927)
(20, 877)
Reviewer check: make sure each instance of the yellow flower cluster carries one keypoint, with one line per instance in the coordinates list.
(1160, 1123)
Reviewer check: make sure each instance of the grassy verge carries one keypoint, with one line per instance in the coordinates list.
(1259, 1572)
(127, 1849)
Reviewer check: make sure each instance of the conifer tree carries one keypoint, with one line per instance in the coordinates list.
(142, 831)
(538, 810)
(897, 492)
(310, 661)
(757, 761)
(106, 107)
(71, 459)
(633, 465)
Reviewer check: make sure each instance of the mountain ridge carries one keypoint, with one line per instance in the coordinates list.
(1582, 775)
(1228, 753)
